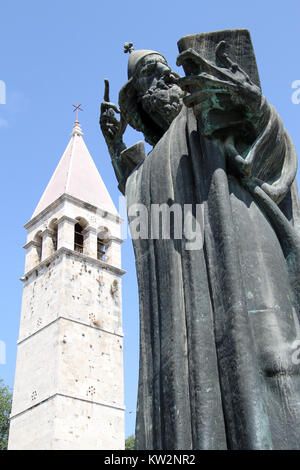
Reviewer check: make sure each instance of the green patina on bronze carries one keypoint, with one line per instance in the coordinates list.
(217, 324)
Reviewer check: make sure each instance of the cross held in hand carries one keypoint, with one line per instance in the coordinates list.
(128, 47)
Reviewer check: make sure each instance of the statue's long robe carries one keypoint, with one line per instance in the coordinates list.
(218, 324)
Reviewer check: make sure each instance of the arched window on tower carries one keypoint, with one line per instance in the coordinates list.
(103, 239)
(38, 240)
(53, 226)
(101, 249)
(78, 239)
(79, 234)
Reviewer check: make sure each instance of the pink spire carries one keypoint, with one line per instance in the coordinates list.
(77, 175)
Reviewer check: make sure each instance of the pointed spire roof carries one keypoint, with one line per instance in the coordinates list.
(77, 176)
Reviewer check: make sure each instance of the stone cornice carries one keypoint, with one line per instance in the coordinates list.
(73, 397)
(40, 216)
(116, 239)
(88, 229)
(68, 219)
(32, 243)
(80, 322)
(78, 202)
(48, 231)
(76, 254)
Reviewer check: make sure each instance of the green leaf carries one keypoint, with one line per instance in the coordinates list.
(129, 443)
(5, 408)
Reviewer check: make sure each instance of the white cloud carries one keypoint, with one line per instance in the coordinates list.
(2, 92)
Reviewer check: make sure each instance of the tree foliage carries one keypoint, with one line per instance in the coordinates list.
(5, 407)
(129, 443)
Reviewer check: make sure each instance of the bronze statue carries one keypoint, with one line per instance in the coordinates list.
(218, 324)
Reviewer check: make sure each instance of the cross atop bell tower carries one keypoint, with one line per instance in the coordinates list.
(76, 109)
(68, 391)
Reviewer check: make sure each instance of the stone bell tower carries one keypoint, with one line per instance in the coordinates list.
(68, 391)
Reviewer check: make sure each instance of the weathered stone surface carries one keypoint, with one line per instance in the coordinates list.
(81, 431)
(68, 391)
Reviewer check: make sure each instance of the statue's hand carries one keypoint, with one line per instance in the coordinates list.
(112, 128)
(222, 95)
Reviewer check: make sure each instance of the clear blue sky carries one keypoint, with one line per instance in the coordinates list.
(55, 53)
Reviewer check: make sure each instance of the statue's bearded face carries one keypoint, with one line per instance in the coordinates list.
(159, 95)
